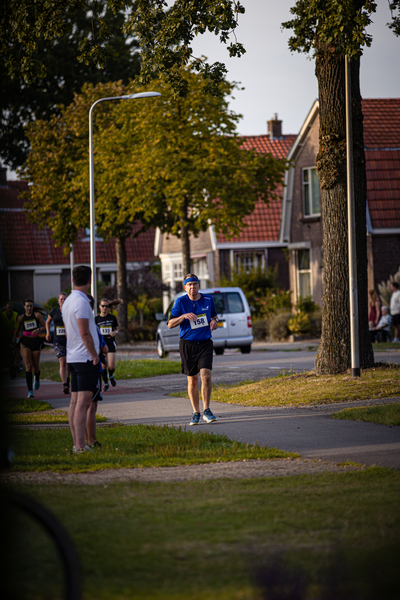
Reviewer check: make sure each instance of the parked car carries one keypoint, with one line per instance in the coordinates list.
(235, 328)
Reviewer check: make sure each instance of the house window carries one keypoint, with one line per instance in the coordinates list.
(311, 198)
(178, 271)
(200, 268)
(304, 273)
(246, 261)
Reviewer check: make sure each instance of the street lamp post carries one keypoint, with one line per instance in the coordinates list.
(91, 182)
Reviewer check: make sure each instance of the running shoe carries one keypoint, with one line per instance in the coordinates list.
(36, 382)
(86, 448)
(195, 419)
(30, 394)
(208, 416)
(106, 387)
(112, 381)
(66, 388)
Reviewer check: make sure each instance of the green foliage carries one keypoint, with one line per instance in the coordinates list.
(273, 301)
(174, 163)
(341, 25)
(256, 284)
(51, 303)
(21, 104)
(306, 305)
(299, 323)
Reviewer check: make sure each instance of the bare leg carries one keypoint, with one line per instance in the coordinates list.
(63, 369)
(206, 387)
(71, 414)
(90, 431)
(83, 402)
(193, 390)
(111, 361)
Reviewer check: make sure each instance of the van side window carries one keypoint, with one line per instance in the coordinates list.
(235, 304)
(219, 303)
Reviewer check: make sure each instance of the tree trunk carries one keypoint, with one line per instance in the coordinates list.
(122, 289)
(333, 355)
(185, 241)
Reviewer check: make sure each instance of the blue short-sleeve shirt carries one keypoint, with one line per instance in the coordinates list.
(204, 309)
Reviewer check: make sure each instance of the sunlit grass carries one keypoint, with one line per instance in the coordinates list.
(384, 414)
(125, 369)
(291, 389)
(134, 446)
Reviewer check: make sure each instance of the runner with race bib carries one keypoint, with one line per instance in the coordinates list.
(60, 340)
(196, 315)
(108, 326)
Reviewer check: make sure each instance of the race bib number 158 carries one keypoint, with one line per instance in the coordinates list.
(201, 321)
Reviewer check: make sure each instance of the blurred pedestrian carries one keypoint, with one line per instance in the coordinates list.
(108, 328)
(60, 341)
(395, 309)
(30, 324)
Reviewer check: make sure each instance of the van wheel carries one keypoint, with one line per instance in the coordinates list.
(219, 351)
(245, 349)
(160, 349)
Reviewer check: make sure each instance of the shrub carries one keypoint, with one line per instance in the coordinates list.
(259, 330)
(299, 323)
(142, 334)
(273, 301)
(278, 325)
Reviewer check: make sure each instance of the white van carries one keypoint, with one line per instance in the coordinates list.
(234, 328)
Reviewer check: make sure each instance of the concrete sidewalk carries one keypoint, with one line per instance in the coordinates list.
(307, 431)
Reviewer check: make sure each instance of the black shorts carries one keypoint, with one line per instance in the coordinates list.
(33, 343)
(85, 377)
(196, 356)
(396, 320)
(111, 345)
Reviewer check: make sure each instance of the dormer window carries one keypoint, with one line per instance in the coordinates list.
(311, 197)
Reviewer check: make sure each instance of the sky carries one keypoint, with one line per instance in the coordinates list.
(277, 81)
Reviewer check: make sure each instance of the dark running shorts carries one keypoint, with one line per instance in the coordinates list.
(396, 320)
(196, 356)
(33, 343)
(111, 345)
(85, 377)
(59, 350)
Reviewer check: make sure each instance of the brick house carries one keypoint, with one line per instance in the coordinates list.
(302, 224)
(213, 255)
(30, 264)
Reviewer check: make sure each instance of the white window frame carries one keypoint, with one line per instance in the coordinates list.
(257, 259)
(303, 271)
(310, 172)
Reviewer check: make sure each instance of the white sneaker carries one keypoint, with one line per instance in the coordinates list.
(76, 450)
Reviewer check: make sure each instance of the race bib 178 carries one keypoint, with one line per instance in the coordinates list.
(201, 321)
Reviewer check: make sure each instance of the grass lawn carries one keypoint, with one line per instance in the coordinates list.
(26, 411)
(125, 369)
(337, 535)
(288, 389)
(387, 414)
(134, 446)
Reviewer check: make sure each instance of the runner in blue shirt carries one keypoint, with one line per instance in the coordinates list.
(196, 315)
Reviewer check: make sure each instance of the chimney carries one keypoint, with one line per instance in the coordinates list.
(3, 176)
(274, 127)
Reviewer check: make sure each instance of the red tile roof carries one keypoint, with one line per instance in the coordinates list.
(381, 122)
(24, 244)
(382, 153)
(264, 223)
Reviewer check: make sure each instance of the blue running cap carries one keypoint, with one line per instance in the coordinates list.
(189, 279)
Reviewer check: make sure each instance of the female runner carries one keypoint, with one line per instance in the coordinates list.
(30, 324)
(60, 341)
(108, 325)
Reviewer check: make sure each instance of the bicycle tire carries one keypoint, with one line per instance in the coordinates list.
(65, 547)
